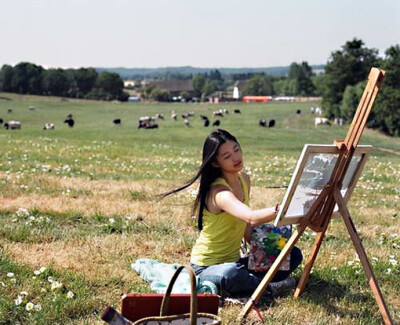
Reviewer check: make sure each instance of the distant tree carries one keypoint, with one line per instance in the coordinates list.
(346, 67)
(160, 95)
(198, 83)
(351, 99)
(285, 87)
(385, 115)
(6, 74)
(185, 95)
(27, 78)
(318, 82)
(302, 74)
(208, 88)
(108, 86)
(259, 85)
(55, 82)
(85, 79)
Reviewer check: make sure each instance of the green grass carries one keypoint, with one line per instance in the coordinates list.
(91, 210)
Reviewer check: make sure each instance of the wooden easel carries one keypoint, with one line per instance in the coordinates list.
(319, 215)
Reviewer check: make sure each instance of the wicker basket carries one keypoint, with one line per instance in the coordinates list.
(192, 318)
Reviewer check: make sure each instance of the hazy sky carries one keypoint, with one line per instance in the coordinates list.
(200, 33)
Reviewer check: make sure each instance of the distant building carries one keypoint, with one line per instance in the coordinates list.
(129, 83)
(175, 87)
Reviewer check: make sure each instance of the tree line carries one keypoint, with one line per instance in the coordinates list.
(29, 78)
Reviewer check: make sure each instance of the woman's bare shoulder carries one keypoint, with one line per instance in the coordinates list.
(211, 204)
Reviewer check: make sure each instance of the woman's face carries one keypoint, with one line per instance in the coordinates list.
(229, 157)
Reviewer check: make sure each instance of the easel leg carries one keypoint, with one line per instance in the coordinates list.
(272, 271)
(363, 258)
(311, 259)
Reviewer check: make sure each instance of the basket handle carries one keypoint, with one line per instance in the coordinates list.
(193, 296)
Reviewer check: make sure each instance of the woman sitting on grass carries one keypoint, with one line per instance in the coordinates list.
(224, 218)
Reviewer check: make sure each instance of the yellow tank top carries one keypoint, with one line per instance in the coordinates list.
(219, 241)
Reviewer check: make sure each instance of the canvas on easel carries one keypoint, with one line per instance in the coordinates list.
(320, 212)
(312, 173)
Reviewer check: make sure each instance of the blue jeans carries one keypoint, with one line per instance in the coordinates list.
(235, 279)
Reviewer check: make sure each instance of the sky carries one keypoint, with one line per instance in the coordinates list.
(198, 33)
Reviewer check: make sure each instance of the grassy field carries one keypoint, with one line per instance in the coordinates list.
(78, 206)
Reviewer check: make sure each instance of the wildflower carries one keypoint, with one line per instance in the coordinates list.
(42, 269)
(112, 220)
(388, 271)
(29, 306)
(334, 268)
(50, 279)
(10, 274)
(55, 285)
(3, 284)
(18, 301)
(70, 294)
(38, 307)
(393, 261)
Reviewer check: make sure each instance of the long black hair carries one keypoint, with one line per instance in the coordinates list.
(207, 172)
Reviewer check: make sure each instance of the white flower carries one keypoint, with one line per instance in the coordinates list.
(42, 269)
(50, 279)
(112, 220)
(55, 285)
(36, 272)
(375, 259)
(3, 284)
(29, 306)
(334, 268)
(14, 280)
(10, 274)
(393, 261)
(38, 307)
(70, 294)
(18, 301)
(43, 290)
(388, 271)
(25, 293)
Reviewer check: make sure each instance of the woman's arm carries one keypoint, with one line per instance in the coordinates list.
(227, 201)
(247, 233)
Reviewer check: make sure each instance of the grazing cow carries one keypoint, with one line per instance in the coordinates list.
(225, 111)
(318, 111)
(31, 108)
(206, 123)
(1, 121)
(186, 121)
(70, 122)
(9, 110)
(322, 121)
(271, 123)
(49, 126)
(219, 113)
(262, 123)
(190, 114)
(174, 116)
(237, 111)
(159, 117)
(117, 121)
(298, 112)
(217, 123)
(338, 121)
(12, 125)
(185, 116)
(147, 123)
